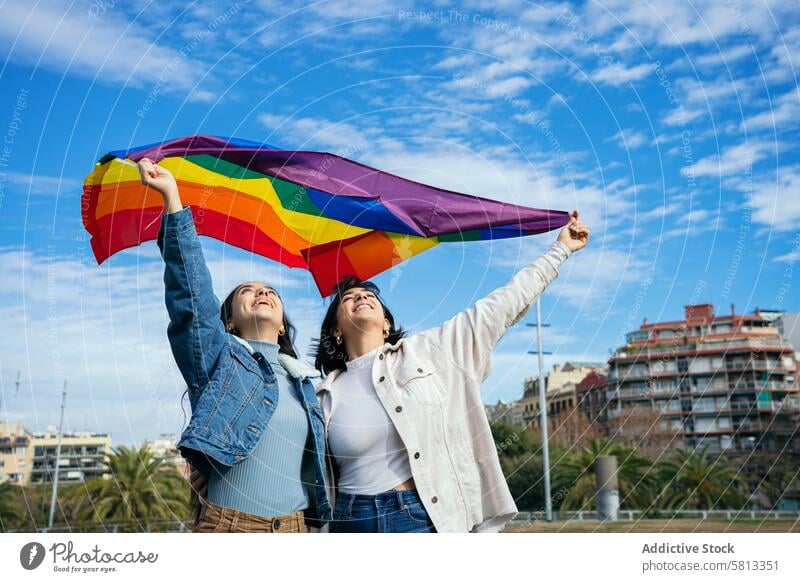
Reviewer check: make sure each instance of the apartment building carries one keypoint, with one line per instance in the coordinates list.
(15, 453)
(560, 386)
(165, 447)
(83, 456)
(28, 458)
(728, 382)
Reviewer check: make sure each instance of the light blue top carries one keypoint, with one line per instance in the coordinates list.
(269, 482)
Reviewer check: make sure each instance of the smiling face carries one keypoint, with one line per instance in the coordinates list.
(255, 305)
(359, 312)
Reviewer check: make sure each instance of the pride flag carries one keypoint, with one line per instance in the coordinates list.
(313, 210)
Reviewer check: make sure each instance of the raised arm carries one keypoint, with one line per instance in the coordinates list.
(469, 338)
(195, 331)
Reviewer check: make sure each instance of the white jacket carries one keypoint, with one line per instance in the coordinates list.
(429, 384)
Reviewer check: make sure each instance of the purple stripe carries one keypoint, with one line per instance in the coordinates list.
(425, 209)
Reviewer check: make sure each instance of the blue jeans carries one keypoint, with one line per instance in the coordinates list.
(388, 512)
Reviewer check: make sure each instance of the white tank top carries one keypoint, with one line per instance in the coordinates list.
(369, 453)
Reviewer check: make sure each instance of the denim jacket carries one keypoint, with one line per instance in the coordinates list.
(233, 391)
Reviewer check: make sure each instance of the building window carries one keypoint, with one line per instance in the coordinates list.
(638, 336)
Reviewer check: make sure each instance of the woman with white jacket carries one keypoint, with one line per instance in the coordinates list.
(409, 442)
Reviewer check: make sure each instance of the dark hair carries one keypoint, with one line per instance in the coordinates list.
(285, 341)
(328, 355)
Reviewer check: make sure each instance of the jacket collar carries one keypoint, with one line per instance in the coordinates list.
(327, 380)
(325, 385)
(297, 369)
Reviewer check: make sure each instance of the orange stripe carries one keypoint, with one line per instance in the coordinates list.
(136, 196)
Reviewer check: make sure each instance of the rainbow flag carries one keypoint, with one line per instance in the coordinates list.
(313, 210)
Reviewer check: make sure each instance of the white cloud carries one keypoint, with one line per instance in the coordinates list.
(36, 184)
(628, 138)
(785, 55)
(70, 40)
(785, 113)
(103, 329)
(592, 279)
(662, 211)
(309, 132)
(734, 161)
(619, 74)
(489, 171)
(725, 57)
(696, 215)
(670, 23)
(792, 257)
(681, 116)
(777, 203)
(705, 92)
(343, 22)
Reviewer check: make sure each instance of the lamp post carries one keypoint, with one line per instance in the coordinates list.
(58, 458)
(548, 502)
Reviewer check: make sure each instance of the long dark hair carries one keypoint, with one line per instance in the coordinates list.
(285, 341)
(328, 355)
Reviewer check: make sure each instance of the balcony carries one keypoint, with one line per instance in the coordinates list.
(786, 405)
(765, 425)
(735, 345)
(773, 367)
(755, 386)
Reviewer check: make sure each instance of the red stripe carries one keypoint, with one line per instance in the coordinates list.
(89, 206)
(128, 228)
(328, 263)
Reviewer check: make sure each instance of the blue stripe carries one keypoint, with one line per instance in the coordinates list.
(361, 212)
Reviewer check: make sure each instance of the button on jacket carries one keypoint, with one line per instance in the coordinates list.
(429, 384)
(233, 391)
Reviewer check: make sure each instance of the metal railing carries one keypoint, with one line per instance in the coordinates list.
(529, 517)
(167, 526)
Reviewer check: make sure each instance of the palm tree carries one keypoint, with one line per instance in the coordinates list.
(575, 473)
(142, 489)
(11, 512)
(693, 479)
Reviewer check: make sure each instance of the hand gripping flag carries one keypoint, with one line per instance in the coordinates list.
(313, 210)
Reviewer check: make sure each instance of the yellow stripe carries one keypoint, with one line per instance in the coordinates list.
(406, 246)
(114, 174)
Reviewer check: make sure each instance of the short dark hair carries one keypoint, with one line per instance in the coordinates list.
(328, 355)
(285, 341)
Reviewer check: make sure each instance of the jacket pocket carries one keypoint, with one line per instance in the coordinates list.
(245, 360)
(420, 382)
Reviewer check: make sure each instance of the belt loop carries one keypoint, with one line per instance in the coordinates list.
(399, 495)
(350, 505)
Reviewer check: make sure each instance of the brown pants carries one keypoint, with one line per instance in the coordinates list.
(218, 519)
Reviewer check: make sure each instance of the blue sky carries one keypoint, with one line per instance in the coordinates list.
(670, 125)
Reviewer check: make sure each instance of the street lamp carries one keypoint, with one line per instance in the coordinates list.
(548, 503)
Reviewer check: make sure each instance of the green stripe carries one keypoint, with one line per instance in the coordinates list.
(224, 167)
(463, 236)
(293, 196)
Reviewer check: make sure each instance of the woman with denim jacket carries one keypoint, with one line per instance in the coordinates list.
(409, 439)
(256, 430)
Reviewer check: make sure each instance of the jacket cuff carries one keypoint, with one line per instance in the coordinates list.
(557, 254)
(177, 221)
